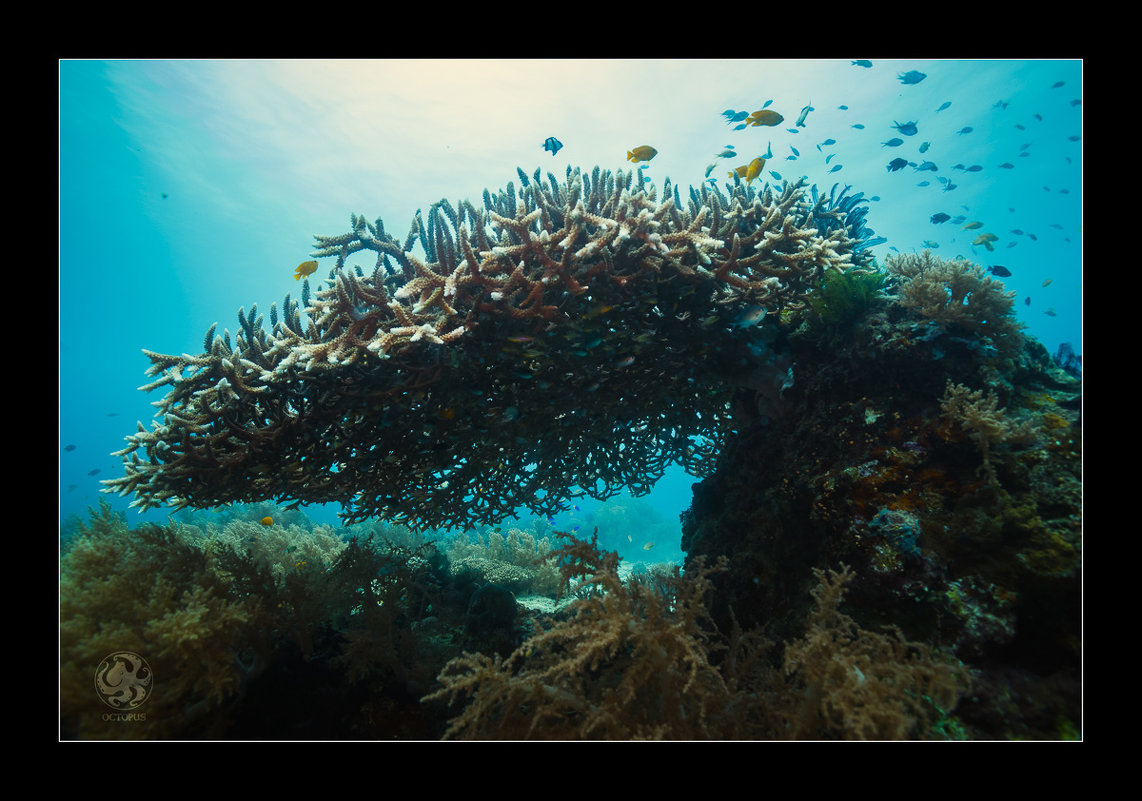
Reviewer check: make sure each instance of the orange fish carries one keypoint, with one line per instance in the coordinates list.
(267, 521)
(303, 269)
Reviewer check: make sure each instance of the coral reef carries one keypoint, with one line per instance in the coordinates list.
(253, 633)
(937, 451)
(884, 442)
(642, 660)
(568, 333)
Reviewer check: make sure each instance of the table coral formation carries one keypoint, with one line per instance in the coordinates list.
(566, 334)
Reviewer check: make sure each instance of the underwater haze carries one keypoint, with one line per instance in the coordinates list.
(189, 189)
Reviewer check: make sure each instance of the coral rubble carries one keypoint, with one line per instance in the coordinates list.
(576, 333)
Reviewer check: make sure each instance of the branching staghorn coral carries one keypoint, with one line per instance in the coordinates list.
(575, 334)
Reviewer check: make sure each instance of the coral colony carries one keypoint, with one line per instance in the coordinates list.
(879, 436)
(576, 333)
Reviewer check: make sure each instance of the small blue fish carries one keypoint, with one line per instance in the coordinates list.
(552, 144)
(858, 126)
(836, 167)
(1007, 165)
(804, 113)
(776, 175)
(795, 151)
(965, 130)
(893, 142)
(911, 77)
(927, 165)
(897, 164)
(862, 62)
(826, 143)
(908, 128)
(943, 106)
(924, 147)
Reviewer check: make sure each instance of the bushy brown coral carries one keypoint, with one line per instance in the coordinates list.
(984, 422)
(515, 560)
(864, 685)
(641, 659)
(957, 293)
(150, 592)
(632, 661)
(240, 624)
(576, 333)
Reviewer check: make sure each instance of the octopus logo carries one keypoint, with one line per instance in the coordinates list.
(123, 680)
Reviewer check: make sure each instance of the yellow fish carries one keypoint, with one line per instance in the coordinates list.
(973, 225)
(985, 240)
(303, 269)
(648, 546)
(267, 521)
(750, 171)
(1047, 282)
(764, 117)
(642, 153)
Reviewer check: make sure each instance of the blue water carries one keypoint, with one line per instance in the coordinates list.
(189, 189)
